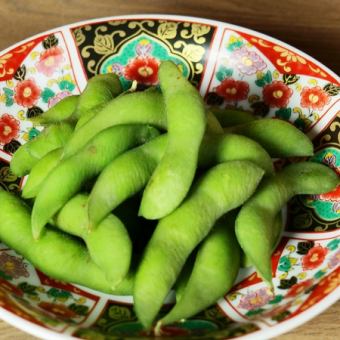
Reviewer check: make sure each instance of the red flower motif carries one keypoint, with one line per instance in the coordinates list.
(57, 309)
(26, 93)
(314, 97)
(9, 128)
(299, 288)
(277, 94)
(50, 60)
(314, 257)
(233, 90)
(143, 70)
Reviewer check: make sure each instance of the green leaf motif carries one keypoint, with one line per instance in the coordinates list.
(5, 276)
(284, 264)
(255, 311)
(223, 73)
(268, 77)
(27, 288)
(235, 45)
(278, 298)
(284, 113)
(281, 316)
(319, 274)
(8, 96)
(260, 82)
(333, 245)
(79, 309)
(66, 85)
(47, 94)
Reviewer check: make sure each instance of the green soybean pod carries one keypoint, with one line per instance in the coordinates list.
(135, 108)
(129, 173)
(276, 236)
(278, 137)
(213, 125)
(60, 112)
(124, 177)
(70, 175)
(214, 272)
(228, 147)
(40, 171)
(223, 188)
(99, 90)
(186, 121)
(56, 254)
(52, 137)
(254, 224)
(231, 117)
(109, 245)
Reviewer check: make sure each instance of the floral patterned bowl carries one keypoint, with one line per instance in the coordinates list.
(232, 66)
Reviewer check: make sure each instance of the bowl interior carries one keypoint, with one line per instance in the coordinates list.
(232, 67)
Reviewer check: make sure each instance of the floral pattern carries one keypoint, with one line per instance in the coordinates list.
(12, 266)
(43, 77)
(143, 70)
(314, 258)
(272, 89)
(50, 60)
(247, 62)
(276, 94)
(255, 299)
(233, 90)
(9, 128)
(27, 93)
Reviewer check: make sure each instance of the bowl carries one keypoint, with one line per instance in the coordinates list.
(231, 66)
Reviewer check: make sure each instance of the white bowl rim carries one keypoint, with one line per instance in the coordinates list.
(265, 333)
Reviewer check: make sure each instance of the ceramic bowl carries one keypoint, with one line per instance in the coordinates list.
(231, 66)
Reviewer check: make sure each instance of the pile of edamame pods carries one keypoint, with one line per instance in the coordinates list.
(137, 193)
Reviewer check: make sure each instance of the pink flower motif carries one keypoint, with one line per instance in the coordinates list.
(50, 60)
(256, 299)
(247, 62)
(13, 266)
(26, 93)
(57, 98)
(334, 261)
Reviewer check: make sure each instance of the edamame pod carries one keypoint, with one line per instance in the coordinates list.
(186, 121)
(223, 188)
(129, 173)
(99, 90)
(228, 147)
(52, 137)
(278, 137)
(56, 254)
(68, 177)
(60, 112)
(214, 272)
(124, 177)
(213, 125)
(276, 236)
(254, 223)
(109, 245)
(39, 173)
(134, 108)
(230, 117)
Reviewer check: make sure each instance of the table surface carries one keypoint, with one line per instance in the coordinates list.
(310, 25)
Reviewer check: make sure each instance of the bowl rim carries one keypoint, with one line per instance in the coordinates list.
(267, 333)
